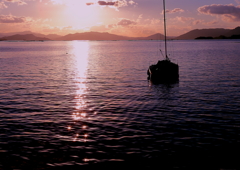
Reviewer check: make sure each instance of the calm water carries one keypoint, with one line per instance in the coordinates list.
(81, 104)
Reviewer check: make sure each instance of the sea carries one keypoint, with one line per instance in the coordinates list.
(89, 104)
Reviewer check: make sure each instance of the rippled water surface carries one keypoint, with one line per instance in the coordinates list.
(81, 104)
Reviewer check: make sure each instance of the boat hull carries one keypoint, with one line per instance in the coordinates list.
(164, 71)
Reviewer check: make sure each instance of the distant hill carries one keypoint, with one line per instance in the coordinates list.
(21, 33)
(105, 36)
(78, 36)
(14, 33)
(26, 37)
(203, 33)
(92, 36)
(235, 31)
(52, 36)
(157, 36)
(49, 36)
(197, 33)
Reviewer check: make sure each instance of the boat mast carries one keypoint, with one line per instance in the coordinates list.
(165, 30)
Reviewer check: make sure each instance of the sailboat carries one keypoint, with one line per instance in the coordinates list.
(164, 71)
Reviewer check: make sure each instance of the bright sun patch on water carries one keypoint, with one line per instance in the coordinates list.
(80, 52)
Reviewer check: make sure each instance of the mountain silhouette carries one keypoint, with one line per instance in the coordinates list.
(203, 33)
(92, 36)
(157, 36)
(105, 36)
(235, 31)
(26, 37)
(49, 36)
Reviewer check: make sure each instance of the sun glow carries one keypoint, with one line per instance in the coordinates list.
(80, 15)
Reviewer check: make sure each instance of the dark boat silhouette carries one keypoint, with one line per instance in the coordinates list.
(164, 71)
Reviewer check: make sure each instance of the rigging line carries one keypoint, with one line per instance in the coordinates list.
(159, 42)
(165, 31)
(161, 52)
(173, 48)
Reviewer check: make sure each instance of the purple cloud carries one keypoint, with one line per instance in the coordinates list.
(228, 12)
(118, 3)
(107, 3)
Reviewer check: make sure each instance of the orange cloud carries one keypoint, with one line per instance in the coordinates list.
(184, 19)
(90, 3)
(132, 2)
(122, 23)
(16, 1)
(126, 22)
(2, 5)
(13, 19)
(138, 27)
(174, 10)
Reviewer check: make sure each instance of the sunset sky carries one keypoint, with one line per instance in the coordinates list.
(122, 17)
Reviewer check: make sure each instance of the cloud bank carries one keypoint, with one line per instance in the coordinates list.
(16, 1)
(229, 12)
(126, 22)
(2, 5)
(12, 19)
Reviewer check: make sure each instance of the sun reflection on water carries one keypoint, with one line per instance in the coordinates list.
(80, 53)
